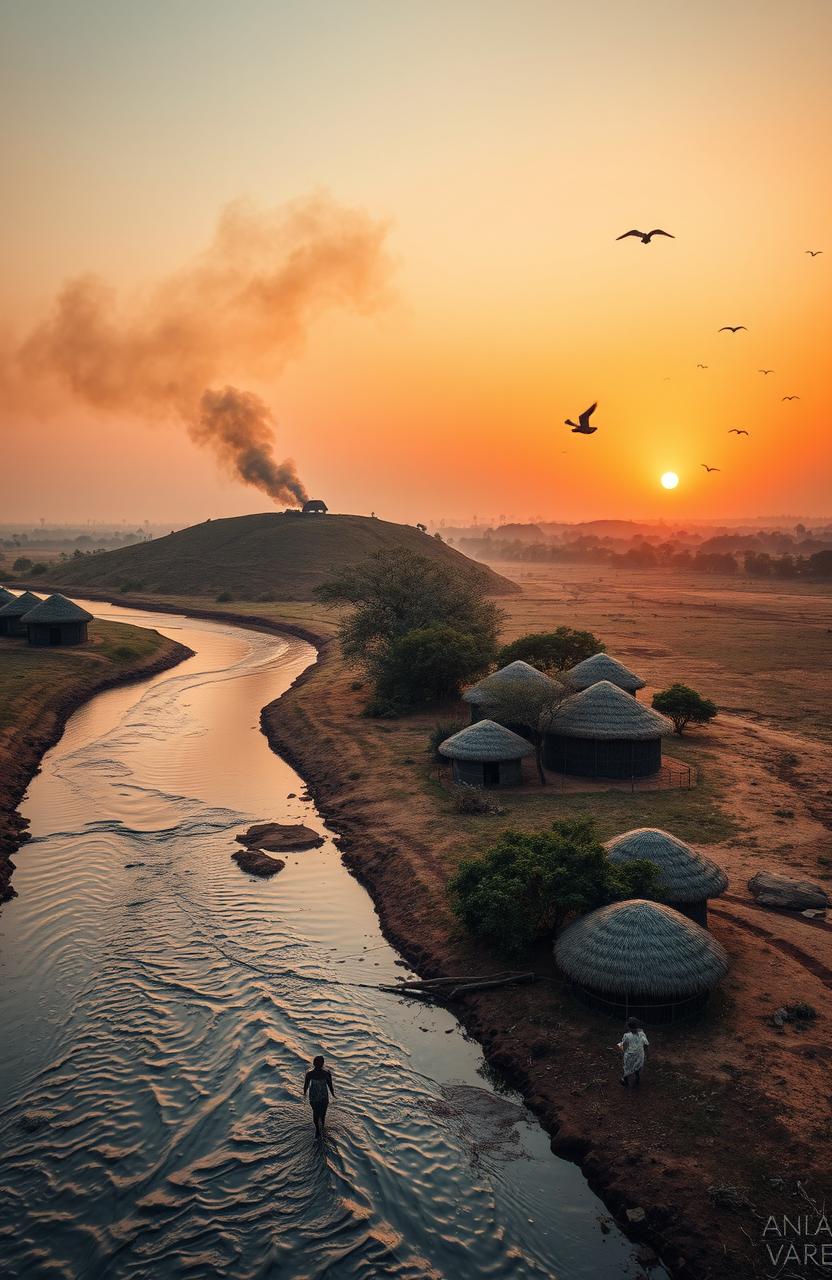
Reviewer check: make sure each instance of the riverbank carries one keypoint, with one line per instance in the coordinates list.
(40, 689)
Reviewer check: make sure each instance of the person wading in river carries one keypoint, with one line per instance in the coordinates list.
(632, 1044)
(318, 1085)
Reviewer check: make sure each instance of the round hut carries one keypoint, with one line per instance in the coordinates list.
(687, 879)
(5, 596)
(603, 732)
(57, 620)
(11, 614)
(486, 754)
(640, 959)
(484, 697)
(602, 667)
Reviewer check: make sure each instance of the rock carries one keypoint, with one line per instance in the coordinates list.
(257, 863)
(276, 837)
(811, 914)
(635, 1215)
(773, 890)
(646, 1256)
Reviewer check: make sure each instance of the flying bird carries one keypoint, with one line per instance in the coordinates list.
(813, 253)
(732, 328)
(737, 431)
(765, 371)
(582, 425)
(702, 366)
(646, 236)
(707, 468)
(791, 397)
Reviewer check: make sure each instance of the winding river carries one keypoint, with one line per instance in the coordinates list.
(158, 1009)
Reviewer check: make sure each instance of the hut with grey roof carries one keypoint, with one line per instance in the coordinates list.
(603, 732)
(687, 879)
(5, 596)
(55, 621)
(486, 754)
(601, 666)
(11, 614)
(640, 959)
(485, 697)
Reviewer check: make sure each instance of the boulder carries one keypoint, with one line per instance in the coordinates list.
(257, 863)
(276, 837)
(773, 890)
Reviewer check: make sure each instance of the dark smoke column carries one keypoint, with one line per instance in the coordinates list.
(240, 429)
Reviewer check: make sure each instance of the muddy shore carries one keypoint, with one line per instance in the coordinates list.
(20, 760)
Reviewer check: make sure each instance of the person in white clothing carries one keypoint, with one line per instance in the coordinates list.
(632, 1044)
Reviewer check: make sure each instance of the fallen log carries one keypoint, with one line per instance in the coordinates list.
(459, 985)
(490, 983)
(461, 977)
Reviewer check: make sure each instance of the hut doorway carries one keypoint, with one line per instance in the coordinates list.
(54, 635)
(491, 773)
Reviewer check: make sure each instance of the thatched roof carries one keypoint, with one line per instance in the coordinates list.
(602, 667)
(5, 596)
(19, 605)
(485, 740)
(56, 609)
(516, 673)
(684, 874)
(605, 711)
(640, 948)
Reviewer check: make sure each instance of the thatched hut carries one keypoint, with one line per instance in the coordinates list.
(11, 614)
(602, 732)
(603, 667)
(486, 754)
(640, 959)
(5, 596)
(687, 879)
(484, 697)
(57, 620)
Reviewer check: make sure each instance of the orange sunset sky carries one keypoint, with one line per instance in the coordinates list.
(419, 272)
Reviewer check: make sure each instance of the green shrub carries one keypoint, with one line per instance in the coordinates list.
(470, 799)
(22, 564)
(37, 570)
(551, 650)
(438, 734)
(224, 597)
(125, 652)
(684, 706)
(427, 665)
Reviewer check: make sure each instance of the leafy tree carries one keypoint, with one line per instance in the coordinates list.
(427, 665)
(529, 883)
(552, 650)
(531, 708)
(396, 592)
(22, 564)
(684, 706)
(37, 570)
(820, 564)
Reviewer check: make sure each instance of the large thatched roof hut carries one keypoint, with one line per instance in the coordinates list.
(603, 667)
(57, 620)
(488, 691)
(641, 959)
(11, 614)
(687, 879)
(486, 754)
(602, 732)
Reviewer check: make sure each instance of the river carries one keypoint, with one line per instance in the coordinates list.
(159, 1007)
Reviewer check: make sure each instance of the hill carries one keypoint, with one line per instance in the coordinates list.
(284, 555)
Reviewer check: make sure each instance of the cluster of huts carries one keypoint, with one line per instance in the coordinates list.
(53, 621)
(599, 730)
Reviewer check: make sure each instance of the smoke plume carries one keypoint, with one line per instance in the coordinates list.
(241, 309)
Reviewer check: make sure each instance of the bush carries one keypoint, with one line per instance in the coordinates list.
(684, 706)
(224, 597)
(22, 564)
(427, 665)
(469, 799)
(551, 650)
(125, 652)
(438, 734)
(268, 597)
(37, 570)
(528, 883)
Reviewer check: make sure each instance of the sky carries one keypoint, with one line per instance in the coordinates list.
(422, 278)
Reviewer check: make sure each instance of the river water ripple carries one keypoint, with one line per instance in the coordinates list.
(159, 1008)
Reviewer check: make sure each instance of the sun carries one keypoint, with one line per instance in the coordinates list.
(669, 480)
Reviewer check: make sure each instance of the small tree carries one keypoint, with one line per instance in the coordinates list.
(530, 707)
(22, 564)
(427, 665)
(684, 706)
(552, 650)
(529, 883)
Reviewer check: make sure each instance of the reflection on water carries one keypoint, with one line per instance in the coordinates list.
(159, 1009)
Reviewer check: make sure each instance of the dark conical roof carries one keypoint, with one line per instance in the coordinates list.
(601, 666)
(605, 711)
(485, 740)
(684, 874)
(20, 605)
(5, 596)
(640, 947)
(521, 673)
(57, 609)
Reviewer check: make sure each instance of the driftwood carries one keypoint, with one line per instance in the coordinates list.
(489, 983)
(461, 984)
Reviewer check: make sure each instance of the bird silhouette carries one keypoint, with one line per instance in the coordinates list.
(702, 366)
(813, 253)
(707, 468)
(732, 328)
(646, 236)
(582, 425)
(791, 397)
(738, 431)
(765, 371)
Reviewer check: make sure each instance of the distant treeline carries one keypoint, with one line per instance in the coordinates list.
(760, 555)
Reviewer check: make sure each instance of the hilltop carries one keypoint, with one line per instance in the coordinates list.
(280, 554)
